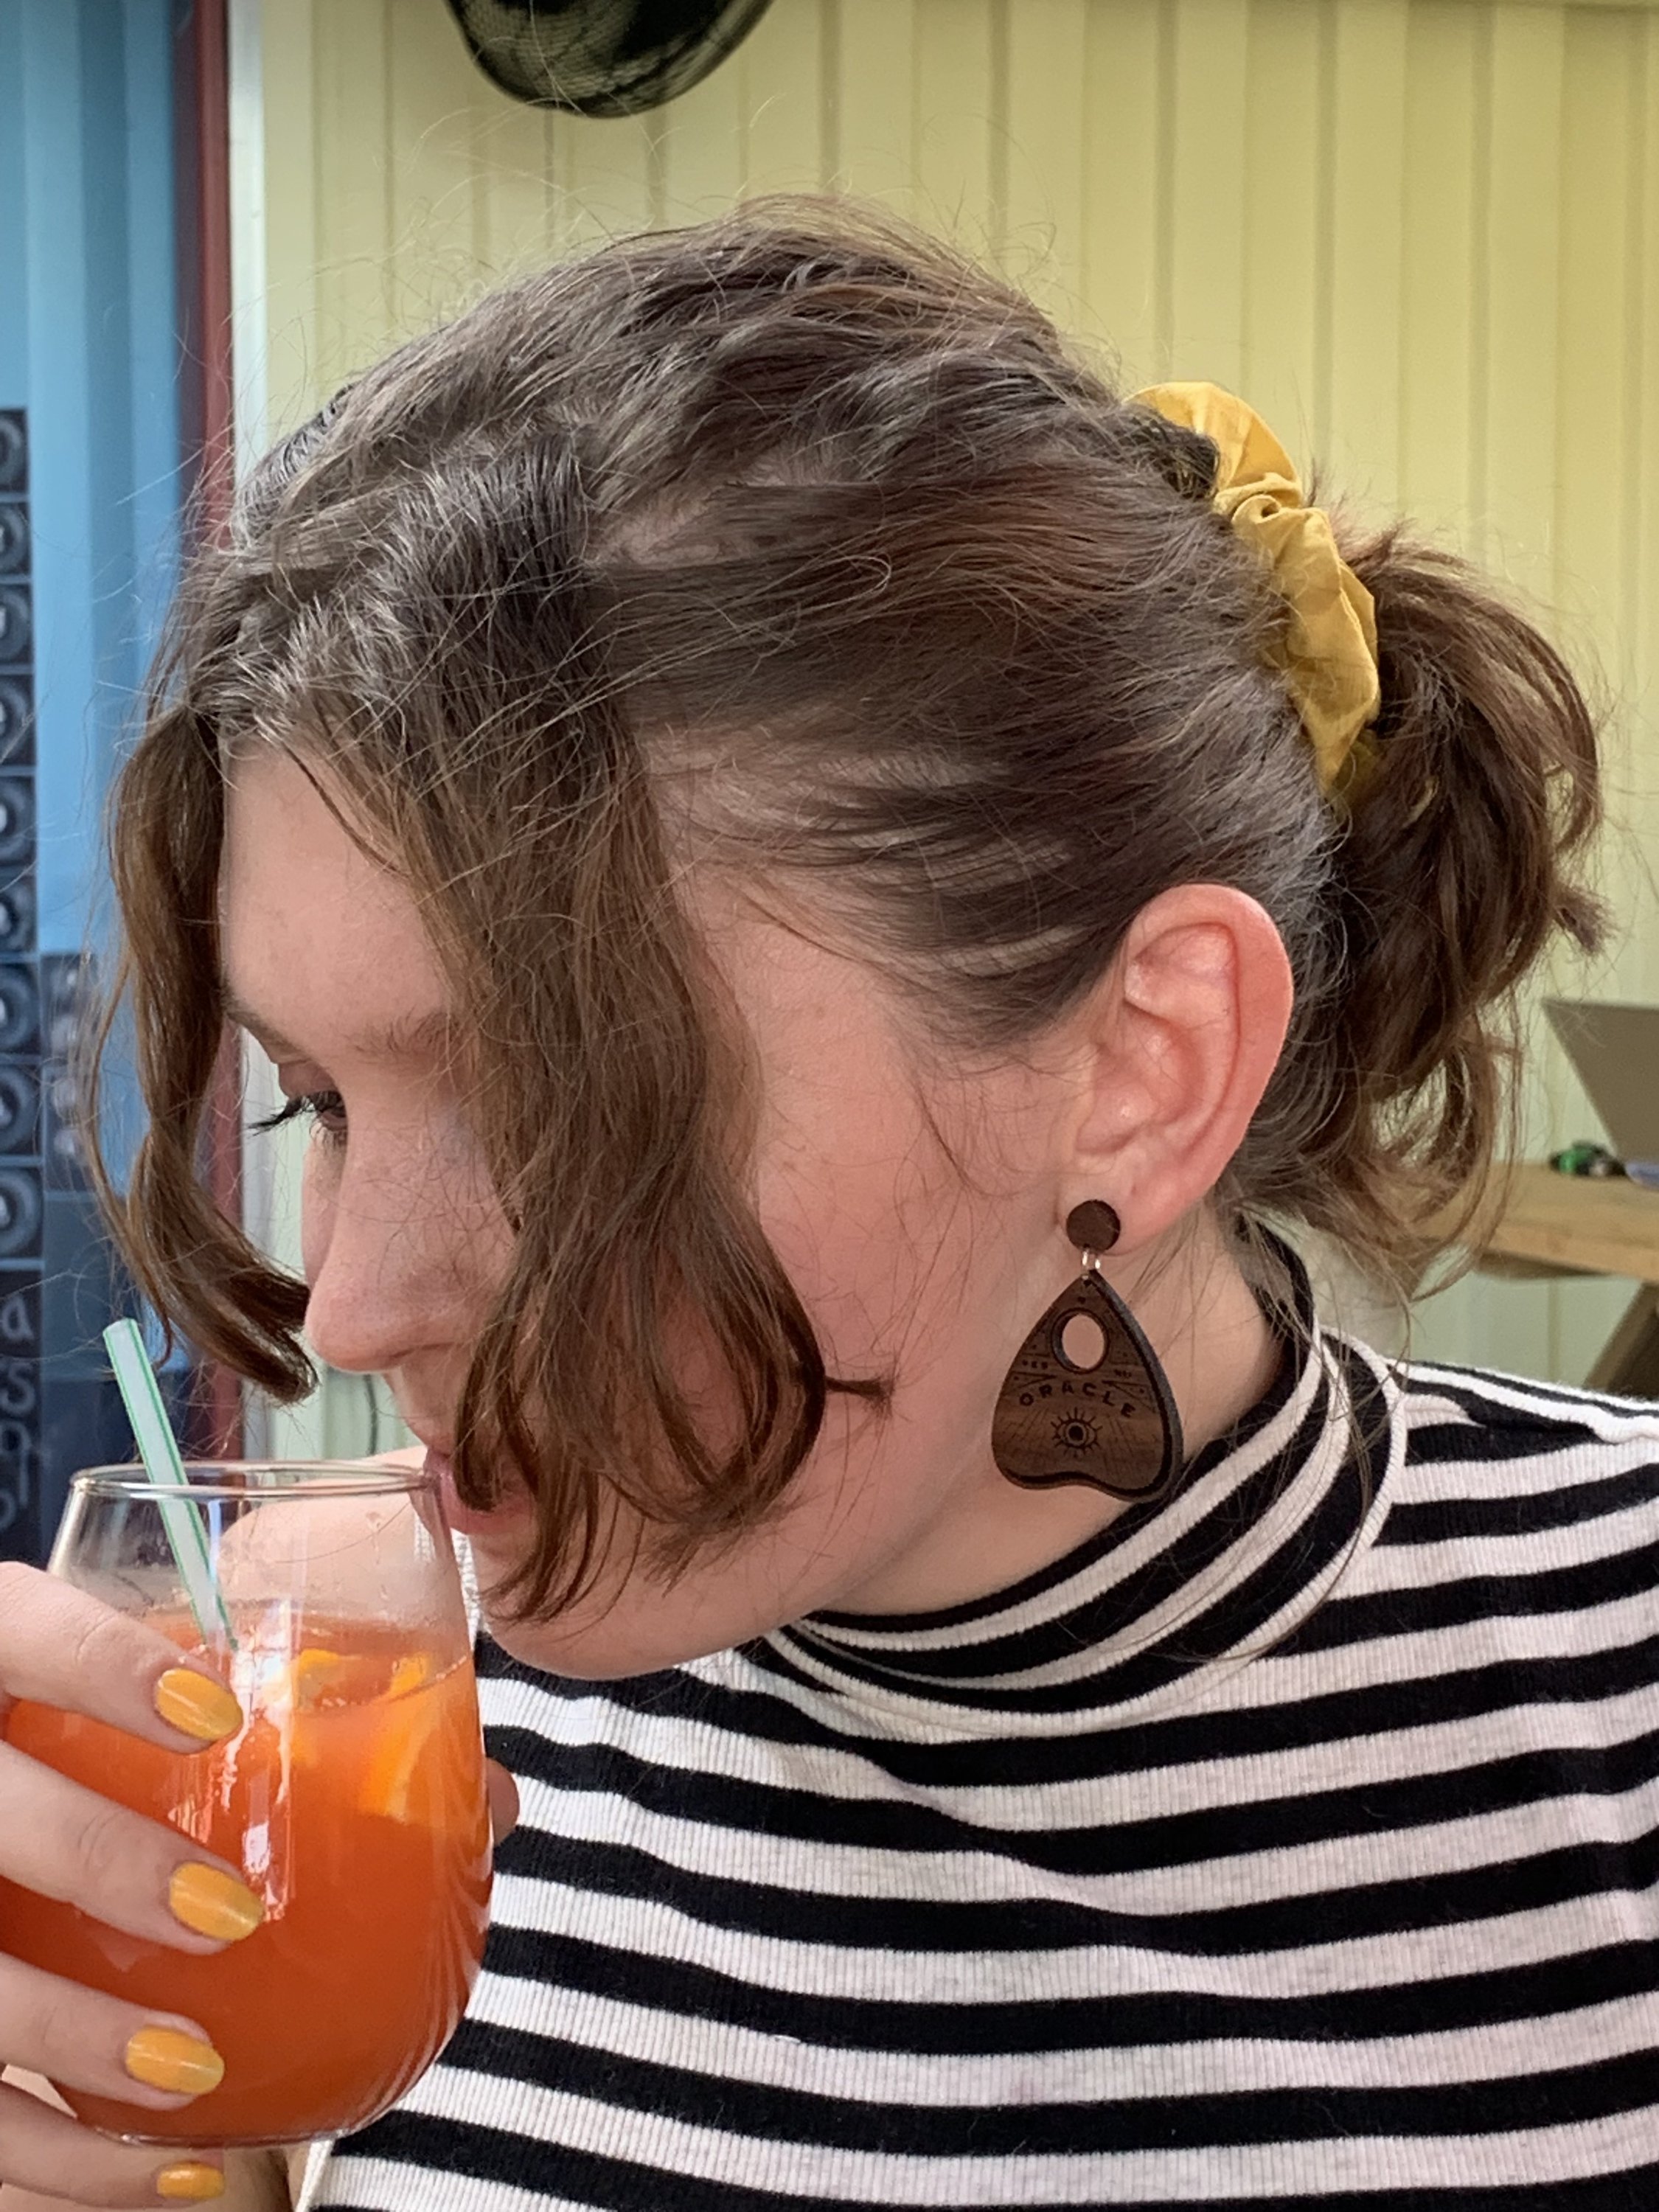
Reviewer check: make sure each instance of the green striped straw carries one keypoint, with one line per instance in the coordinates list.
(158, 1449)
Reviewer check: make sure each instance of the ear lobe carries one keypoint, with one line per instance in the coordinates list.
(1187, 1030)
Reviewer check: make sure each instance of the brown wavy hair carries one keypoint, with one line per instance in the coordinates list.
(798, 534)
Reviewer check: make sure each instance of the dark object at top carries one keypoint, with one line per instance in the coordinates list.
(602, 57)
(1093, 1226)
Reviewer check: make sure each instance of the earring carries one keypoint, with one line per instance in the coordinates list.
(1087, 1399)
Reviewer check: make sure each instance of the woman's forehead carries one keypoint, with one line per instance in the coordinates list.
(319, 944)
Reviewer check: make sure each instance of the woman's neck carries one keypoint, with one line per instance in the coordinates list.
(1216, 1345)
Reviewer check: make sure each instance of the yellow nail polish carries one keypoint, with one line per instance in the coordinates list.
(168, 2059)
(189, 2183)
(197, 1705)
(214, 1904)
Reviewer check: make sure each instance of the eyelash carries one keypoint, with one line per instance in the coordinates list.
(325, 1108)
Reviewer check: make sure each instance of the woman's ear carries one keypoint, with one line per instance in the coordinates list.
(1176, 1046)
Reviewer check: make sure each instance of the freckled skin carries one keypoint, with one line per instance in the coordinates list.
(931, 1260)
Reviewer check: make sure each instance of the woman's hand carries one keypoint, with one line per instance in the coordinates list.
(255, 2180)
(63, 1648)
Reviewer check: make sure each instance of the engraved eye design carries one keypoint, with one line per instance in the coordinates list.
(1077, 1433)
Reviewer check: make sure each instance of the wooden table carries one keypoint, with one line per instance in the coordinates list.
(1556, 1226)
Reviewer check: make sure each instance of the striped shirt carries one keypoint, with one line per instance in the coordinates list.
(1294, 1844)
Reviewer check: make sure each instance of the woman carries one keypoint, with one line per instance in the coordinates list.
(830, 888)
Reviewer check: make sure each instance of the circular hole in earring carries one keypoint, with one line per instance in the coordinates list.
(1081, 1343)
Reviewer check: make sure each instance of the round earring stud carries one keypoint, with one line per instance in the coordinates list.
(1093, 1226)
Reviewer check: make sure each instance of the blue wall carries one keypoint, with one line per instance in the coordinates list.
(89, 346)
(88, 363)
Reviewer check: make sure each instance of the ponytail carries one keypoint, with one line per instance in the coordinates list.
(1459, 865)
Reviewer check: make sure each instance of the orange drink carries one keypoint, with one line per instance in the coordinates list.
(351, 1801)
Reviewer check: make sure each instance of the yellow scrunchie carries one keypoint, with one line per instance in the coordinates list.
(1329, 655)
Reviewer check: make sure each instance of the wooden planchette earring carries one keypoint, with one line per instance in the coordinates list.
(1087, 1399)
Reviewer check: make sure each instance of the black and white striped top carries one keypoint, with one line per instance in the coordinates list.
(1296, 1844)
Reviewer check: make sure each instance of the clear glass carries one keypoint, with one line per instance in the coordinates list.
(352, 1799)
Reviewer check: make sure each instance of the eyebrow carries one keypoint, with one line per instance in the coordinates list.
(415, 1037)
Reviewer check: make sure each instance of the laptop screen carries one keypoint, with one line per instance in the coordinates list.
(1615, 1051)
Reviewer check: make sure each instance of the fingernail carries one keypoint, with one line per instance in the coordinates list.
(168, 2059)
(189, 2183)
(197, 1705)
(214, 1904)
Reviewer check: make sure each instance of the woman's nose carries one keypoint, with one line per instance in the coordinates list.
(402, 1256)
(373, 1279)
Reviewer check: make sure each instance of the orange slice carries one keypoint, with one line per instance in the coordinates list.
(319, 1678)
(412, 1672)
(406, 1742)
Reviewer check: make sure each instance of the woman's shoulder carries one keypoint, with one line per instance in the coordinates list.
(1484, 1453)
(1510, 1565)
(1459, 1412)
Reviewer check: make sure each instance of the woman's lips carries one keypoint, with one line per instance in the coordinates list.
(466, 1519)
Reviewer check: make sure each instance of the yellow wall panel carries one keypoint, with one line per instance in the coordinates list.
(1601, 151)
(1358, 423)
(958, 119)
(353, 248)
(1423, 234)
(875, 100)
(511, 155)
(1124, 223)
(1642, 464)
(1287, 218)
(432, 92)
(1204, 276)
(1047, 152)
(1517, 399)
(780, 67)
(285, 308)
(1446, 58)
(704, 139)
(608, 178)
